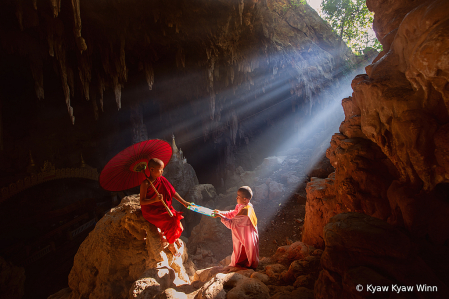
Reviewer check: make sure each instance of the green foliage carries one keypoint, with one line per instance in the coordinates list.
(297, 3)
(351, 20)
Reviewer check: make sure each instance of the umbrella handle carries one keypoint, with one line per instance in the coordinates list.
(163, 202)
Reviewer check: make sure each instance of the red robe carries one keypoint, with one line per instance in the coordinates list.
(156, 213)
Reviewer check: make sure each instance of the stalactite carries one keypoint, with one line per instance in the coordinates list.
(212, 104)
(101, 88)
(19, 13)
(217, 73)
(210, 72)
(234, 126)
(56, 5)
(121, 68)
(35, 4)
(118, 92)
(232, 55)
(71, 81)
(231, 72)
(36, 66)
(149, 74)
(61, 57)
(255, 63)
(50, 38)
(80, 42)
(211, 77)
(241, 6)
(84, 70)
(248, 68)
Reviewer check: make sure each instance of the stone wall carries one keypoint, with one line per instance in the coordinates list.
(390, 155)
(390, 159)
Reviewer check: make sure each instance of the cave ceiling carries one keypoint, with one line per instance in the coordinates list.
(208, 45)
(211, 60)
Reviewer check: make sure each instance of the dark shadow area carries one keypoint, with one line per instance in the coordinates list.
(42, 227)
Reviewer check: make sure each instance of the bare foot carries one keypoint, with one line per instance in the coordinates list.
(164, 242)
(174, 250)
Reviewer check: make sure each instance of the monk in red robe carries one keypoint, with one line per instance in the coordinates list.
(153, 209)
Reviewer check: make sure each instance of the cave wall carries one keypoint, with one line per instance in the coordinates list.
(194, 68)
(390, 156)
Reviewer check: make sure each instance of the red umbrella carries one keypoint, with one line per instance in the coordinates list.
(128, 168)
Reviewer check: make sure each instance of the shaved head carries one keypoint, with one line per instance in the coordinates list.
(246, 191)
(155, 163)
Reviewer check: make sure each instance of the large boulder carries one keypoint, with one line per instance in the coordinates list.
(122, 249)
(321, 205)
(234, 285)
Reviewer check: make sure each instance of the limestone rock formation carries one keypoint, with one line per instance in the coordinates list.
(122, 255)
(390, 162)
(180, 173)
(388, 156)
(290, 273)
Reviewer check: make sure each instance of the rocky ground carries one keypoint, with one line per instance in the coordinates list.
(288, 268)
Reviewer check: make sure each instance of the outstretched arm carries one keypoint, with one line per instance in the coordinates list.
(181, 200)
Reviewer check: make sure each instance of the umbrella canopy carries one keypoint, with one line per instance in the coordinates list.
(128, 168)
